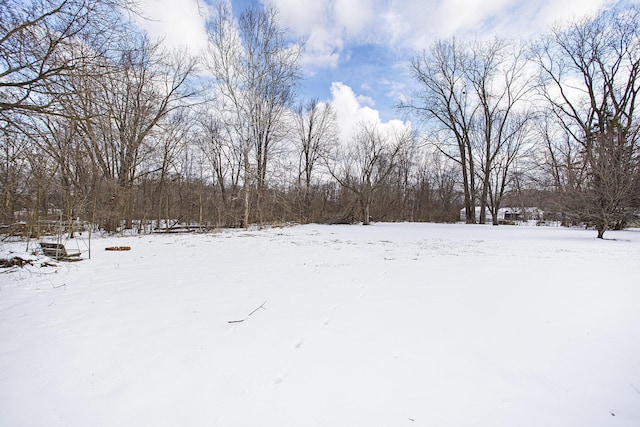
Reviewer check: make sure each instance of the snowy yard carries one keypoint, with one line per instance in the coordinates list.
(387, 325)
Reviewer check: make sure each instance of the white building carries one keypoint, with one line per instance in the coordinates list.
(509, 214)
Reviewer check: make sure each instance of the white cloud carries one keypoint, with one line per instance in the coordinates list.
(454, 16)
(314, 23)
(396, 91)
(181, 23)
(395, 26)
(300, 19)
(322, 49)
(330, 25)
(486, 18)
(354, 16)
(366, 101)
(326, 25)
(350, 113)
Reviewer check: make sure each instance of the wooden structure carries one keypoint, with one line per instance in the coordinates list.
(58, 252)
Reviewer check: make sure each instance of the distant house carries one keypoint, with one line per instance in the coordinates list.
(509, 215)
(520, 214)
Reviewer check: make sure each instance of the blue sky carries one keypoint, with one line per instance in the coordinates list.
(357, 51)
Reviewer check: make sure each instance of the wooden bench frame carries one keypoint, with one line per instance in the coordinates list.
(58, 252)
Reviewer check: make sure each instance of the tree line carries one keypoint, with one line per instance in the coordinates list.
(99, 122)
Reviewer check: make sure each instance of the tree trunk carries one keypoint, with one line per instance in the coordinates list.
(365, 213)
(129, 209)
(247, 188)
(469, 208)
(483, 203)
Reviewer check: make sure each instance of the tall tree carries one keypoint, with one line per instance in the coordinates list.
(14, 170)
(119, 109)
(172, 137)
(474, 98)
(317, 133)
(443, 101)
(44, 46)
(257, 74)
(224, 161)
(498, 73)
(591, 81)
(147, 86)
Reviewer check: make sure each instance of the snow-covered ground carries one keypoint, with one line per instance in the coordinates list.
(386, 325)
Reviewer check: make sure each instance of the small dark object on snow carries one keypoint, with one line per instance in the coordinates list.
(118, 248)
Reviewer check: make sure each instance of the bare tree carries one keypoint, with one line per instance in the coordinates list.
(364, 166)
(316, 134)
(38, 47)
(43, 43)
(401, 186)
(118, 105)
(172, 137)
(591, 71)
(474, 98)
(498, 74)
(257, 74)
(511, 149)
(443, 101)
(59, 138)
(14, 170)
(224, 161)
(606, 190)
(448, 196)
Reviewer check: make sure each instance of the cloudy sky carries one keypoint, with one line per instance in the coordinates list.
(357, 51)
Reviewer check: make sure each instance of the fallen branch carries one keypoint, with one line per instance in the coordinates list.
(248, 315)
(118, 248)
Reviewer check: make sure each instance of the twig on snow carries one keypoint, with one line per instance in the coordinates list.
(248, 315)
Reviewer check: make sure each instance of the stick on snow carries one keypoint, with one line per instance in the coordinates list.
(248, 315)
